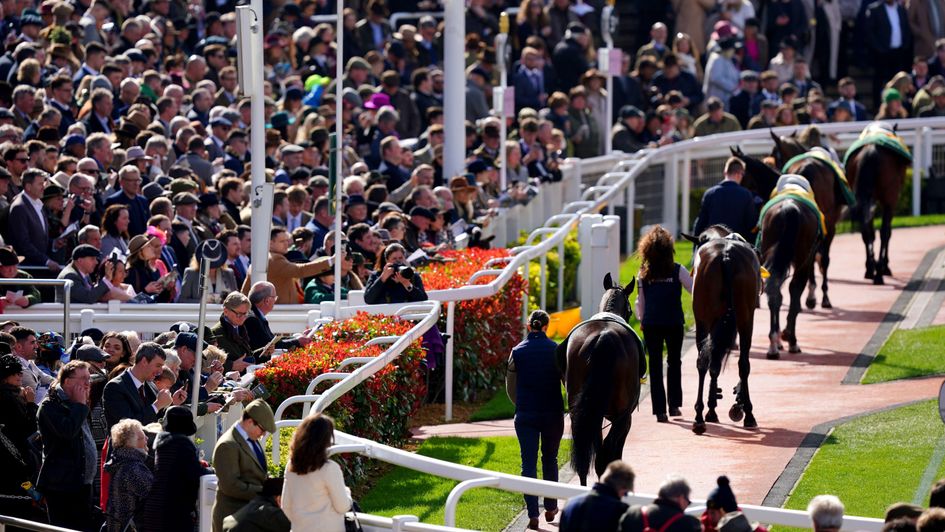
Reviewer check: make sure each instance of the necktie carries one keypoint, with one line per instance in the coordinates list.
(240, 271)
(144, 398)
(259, 453)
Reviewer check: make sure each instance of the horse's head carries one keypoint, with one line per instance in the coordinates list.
(785, 147)
(711, 233)
(759, 177)
(616, 298)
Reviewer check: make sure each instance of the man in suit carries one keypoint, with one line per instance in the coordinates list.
(26, 226)
(656, 48)
(297, 216)
(84, 263)
(24, 97)
(59, 95)
(196, 159)
(602, 507)
(25, 350)
(219, 128)
(100, 119)
(889, 39)
(131, 395)
(529, 81)
(570, 56)
(285, 275)
(240, 462)
(262, 298)
(231, 243)
(230, 335)
(728, 203)
(847, 88)
(129, 179)
(373, 32)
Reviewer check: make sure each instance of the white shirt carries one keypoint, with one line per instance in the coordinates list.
(895, 35)
(37, 205)
(293, 221)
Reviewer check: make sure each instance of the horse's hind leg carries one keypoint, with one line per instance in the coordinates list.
(744, 368)
(825, 264)
(714, 369)
(773, 289)
(885, 233)
(702, 364)
(868, 233)
(612, 447)
(811, 301)
(796, 289)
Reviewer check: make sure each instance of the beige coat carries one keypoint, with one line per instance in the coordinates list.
(316, 500)
(690, 19)
(285, 275)
(921, 24)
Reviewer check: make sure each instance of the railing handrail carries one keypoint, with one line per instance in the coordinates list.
(66, 285)
(30, 525)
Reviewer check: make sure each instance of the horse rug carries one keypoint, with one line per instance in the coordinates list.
(823, 155)
(803, 197)
(613, 318)
(882, 135)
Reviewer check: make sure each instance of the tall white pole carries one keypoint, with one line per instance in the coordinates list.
(251, 67)
(201, 321)
(608, 32)
(339, 146)
(501, 41)
(454, 78)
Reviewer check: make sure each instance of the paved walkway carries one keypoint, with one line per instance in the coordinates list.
(791, 395)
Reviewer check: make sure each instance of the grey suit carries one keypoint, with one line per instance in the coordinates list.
(198, 164)
(82, 290)
(190, 288)
(26, 232)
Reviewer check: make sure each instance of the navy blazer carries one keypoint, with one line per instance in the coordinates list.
(526, 95)
(121, 401)
(29, 238)
(138, 210)
(731, 204)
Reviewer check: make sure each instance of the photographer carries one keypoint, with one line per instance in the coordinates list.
(394, 281)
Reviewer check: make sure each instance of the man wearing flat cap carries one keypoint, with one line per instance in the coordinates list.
(415, 233)
(85, 289)
(28, 294)
(185, 209)
(627, 135)
(240, 461)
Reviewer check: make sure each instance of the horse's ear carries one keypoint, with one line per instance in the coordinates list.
(629, 288)
(794, 134)
(608, 282)
(895, 127)
(775, 138)
(737, 151)
(693, 239)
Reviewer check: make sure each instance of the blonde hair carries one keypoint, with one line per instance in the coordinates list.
(124, 432)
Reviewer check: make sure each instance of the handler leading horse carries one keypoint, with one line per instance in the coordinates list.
(602, 376)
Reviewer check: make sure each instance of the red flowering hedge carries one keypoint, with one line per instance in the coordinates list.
(380, 408)
(485, 329)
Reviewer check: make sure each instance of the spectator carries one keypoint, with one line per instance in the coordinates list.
(586, 136)
(394, 281)
(220, 282)
(716, 120)
(230, 335)
(932, 520)
(627, 135)
(115, 225)
(891, 107)
(185, 346)
(143, 273)
(666, 512)
(890, 47)
(286, 274)
(656, 48)
(262, 298)
(937, 494)
(740, 103)
(673, 77)
(721, 74)
(721, 501)
(314, 495)
(18, 417)
(69, 453)
(728, 203)
(826, 513)
(177, 472)
(21, 296)
(847, 88)
(131, 394)
(529, 79)
(477, 107)
(131, 478)
(31, 237)
(602, 507)
(539, 412)
(129, 177)
(570, 56)
(240, 462)
(264, 512)
(786, 19)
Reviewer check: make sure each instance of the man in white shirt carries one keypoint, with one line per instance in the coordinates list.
(25, 350)
(889, 39)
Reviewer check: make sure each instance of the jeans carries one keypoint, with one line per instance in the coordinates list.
(545, 430)
(654, 336)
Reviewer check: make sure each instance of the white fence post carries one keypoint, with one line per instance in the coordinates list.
(586, 268)
(448, 378)
(685, 180)
(918, 157)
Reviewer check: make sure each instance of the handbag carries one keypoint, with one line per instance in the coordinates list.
(351, 519)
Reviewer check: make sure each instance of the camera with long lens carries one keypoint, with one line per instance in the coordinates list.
(405, 271)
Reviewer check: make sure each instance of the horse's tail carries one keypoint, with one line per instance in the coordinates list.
(869, 162)
(790, 215)
(587, 414)
(722, 335)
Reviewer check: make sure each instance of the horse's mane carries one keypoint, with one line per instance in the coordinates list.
(613, 300)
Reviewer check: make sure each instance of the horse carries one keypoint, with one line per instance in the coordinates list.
(876, 173)
(829, 195)
(789, 238)
(724, 296)
(602, 375)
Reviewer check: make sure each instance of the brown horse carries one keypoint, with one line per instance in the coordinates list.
(602, 376)
(789, 239)
(826, 187)
(726, 287)
(876, 173)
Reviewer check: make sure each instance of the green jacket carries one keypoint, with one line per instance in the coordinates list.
(703, 126)
(240, 476)
(29, 291)
(316, 292)
(235, 344)
(260, 515)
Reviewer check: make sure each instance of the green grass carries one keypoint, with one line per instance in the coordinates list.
(403, 491)
(873, 461)
(499, 407)
(909, 353)
(844, 226)
(631, 266)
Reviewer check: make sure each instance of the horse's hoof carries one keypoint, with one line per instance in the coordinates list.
(750, 422)
(711, 417)
(811, 303)
(773, 354)
(878, 280)
(886, 271)
(794, 349)
(698, 428)
(826, 304)
(736, 413)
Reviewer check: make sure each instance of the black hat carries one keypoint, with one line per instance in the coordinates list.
(53, 191)
(421, 211)
(185, 198)
(479, 165)
(94, 333)
(85, 250)
(713, 103)
(208, 199)
(183, 326)
(152, 190)
(577, 27)
(387, 206)
(186, 339)
(90, 353)
(8, 257)
(9, 365)
(178, 420)
(721, 497)
(630, 111)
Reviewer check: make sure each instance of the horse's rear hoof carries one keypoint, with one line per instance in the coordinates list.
(794, 349)
(773, 354)
(811, 303)
(698, 428)
(736, 413)
(886, 271)
(711, 417)
(878, 280)
(826, 304)
(750, 422)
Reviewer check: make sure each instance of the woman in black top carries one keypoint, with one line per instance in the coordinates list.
(142, 275)
(391, 283)
(660, 310)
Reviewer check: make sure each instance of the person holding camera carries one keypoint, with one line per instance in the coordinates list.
(394, 281)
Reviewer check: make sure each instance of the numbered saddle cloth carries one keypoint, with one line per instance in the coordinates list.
(823, 155)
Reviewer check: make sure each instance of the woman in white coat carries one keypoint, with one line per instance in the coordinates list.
(314, 496)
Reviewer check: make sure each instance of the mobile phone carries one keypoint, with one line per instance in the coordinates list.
(260, 392)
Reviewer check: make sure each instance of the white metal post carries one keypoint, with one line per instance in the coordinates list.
(201, 322)
(561, 275)
(454, 78)
(543, 268)
(498, 99)
(608, 33)
(685, 179)
(450, 332)
(339, 147)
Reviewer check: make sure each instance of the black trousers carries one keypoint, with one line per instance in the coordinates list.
(70, 509)
(655, 336)
(536, 431)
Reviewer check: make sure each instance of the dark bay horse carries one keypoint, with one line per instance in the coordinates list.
(827, 191)
(876, 173)
(790, 233)
(726, 287)
(602, 376)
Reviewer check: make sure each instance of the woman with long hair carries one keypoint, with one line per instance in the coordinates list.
(143, 275)
(115, 229)
(659, 308)
(531, 20)
(119, 352)
(785, 116)
(221, 281)
(393, 281)
(314, 496)
(688, 55)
